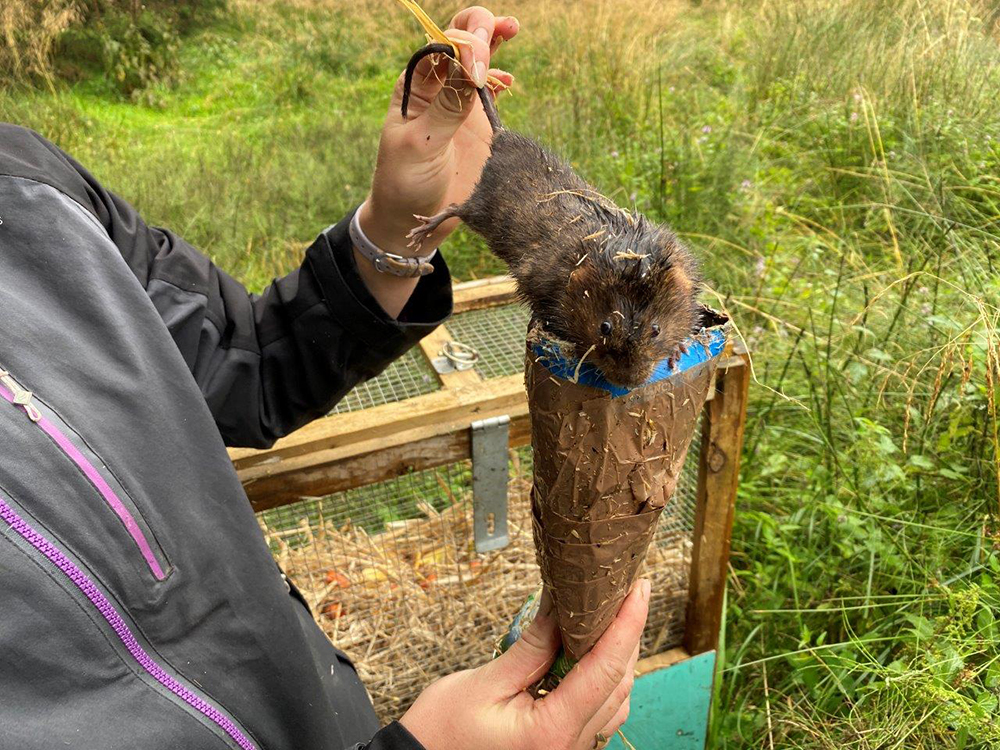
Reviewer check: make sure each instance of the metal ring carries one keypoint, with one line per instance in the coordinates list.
(462, 356)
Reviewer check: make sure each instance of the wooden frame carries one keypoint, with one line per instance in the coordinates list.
(355, 449)
(718, 479)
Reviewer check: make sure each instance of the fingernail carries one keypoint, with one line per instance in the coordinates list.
(645, 590)
(483, 33)
(479, 74)
(635, 588)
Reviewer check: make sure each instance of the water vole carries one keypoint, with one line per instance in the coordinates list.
(620, 288)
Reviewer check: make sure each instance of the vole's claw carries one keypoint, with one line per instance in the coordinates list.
(418, 233)
(675, 356)
(428, 224)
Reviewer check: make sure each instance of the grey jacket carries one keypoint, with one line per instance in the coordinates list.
(139, 605)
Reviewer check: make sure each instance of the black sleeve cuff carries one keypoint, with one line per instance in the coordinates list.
(393, 737)
(331, 259)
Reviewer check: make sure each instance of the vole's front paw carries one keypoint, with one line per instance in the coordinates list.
(679, 351)
(428, 224)
(419, 233)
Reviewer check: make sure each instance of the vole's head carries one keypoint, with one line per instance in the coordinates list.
(633, 298)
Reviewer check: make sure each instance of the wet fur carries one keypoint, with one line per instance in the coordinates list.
(540, 218)
(572, 253)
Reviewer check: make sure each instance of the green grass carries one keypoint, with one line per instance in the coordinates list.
(836, 166)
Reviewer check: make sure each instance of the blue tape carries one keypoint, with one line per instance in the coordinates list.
(701, 348)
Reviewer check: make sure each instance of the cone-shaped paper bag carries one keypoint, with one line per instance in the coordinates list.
(606, 462)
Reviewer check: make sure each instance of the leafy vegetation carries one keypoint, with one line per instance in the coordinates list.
(131, 45)
(837, 166)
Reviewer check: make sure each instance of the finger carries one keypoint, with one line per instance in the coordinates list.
(530, 658)
(605, 719)
(434, 75)
(477, 20)
(619, 720)
(480, 23)
(474, 55)
(601, 739)
(502, 80)
(457, 99)
(592, 681)
(504, 29)
(428, 79)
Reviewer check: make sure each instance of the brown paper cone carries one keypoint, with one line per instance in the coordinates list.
(605, 467)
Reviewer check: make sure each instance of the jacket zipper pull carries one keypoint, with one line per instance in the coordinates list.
(22, 396)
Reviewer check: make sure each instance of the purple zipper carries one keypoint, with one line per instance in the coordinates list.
(117, 623)
(10, 391)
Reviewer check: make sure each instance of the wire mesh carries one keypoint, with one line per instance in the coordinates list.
(497, 334)
(410, 375)
(668, 562)
(393, 578)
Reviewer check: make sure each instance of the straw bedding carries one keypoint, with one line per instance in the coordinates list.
(415, 601)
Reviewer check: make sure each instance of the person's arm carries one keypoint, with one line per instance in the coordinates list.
(269, 364)
(266, 364)
(435, 156)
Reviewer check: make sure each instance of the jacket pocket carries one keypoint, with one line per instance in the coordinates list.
(119, 632)
(75, 449)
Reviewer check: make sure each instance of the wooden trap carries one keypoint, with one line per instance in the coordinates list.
(404, 519)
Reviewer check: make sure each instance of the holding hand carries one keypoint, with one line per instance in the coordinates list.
(489, 708)
(435, 156)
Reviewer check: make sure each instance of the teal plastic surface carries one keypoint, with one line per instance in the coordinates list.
(670, 707)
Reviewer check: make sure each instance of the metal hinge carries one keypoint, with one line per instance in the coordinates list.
(489, 482)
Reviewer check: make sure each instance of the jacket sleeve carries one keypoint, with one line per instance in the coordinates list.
(266, 364)
(269, 364)
(392, 737)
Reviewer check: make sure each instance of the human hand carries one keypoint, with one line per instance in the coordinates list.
(434, 157)
(489, 708)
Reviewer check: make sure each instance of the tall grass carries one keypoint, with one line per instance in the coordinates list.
(131, 45)
(29, 32)
(862, 612)
(835, 164)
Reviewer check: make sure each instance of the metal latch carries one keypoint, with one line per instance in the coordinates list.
(455, 357)
(489, 482)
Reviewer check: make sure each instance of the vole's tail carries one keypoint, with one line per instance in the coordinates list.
(485, 95)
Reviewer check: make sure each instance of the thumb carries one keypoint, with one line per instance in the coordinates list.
(529, 659)
(457, 98)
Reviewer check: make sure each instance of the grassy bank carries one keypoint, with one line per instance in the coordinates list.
(836, 165)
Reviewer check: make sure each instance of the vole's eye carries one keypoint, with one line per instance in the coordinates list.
(655, 330)
(606, 328)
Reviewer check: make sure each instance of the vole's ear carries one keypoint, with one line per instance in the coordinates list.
(582, 276)
(681, 279)
(672, 265)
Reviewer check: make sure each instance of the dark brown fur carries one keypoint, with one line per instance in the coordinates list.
(580, 261)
